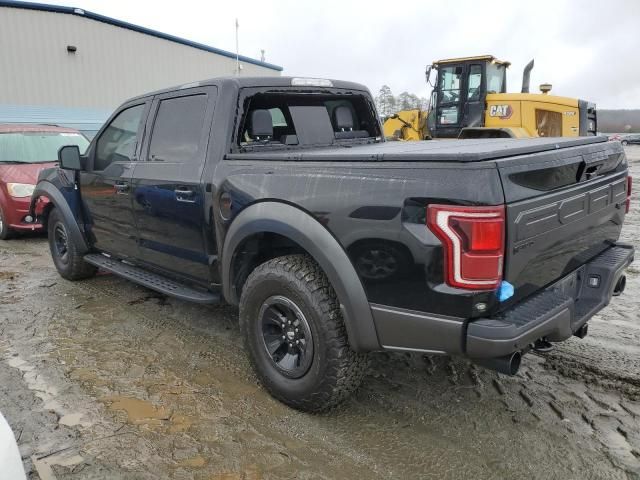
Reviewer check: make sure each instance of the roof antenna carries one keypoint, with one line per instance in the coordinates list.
(237, 54)
(262, 55)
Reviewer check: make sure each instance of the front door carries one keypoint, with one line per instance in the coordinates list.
(168, 195)
(449, 98)
(106, 184)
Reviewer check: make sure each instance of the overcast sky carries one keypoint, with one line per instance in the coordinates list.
(586, 49)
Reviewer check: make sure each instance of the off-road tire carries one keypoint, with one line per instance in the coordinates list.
(70, 265)
(5, 232)
(336, 370)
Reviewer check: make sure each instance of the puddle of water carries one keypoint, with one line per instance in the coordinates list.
(138, 411)
(194, 462)
(71, 419)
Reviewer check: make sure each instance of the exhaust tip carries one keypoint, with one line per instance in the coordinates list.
(620, 286)
(514, 364)
(507, 365)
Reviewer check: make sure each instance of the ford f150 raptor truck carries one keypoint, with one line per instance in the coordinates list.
(280, 195)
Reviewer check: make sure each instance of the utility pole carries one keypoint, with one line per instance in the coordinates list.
(237, 51)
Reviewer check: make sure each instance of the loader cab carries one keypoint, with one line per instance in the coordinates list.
(460, 88)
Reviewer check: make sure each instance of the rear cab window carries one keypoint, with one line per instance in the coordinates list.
(289, 120)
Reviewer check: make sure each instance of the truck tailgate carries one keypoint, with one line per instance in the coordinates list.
(563, 208)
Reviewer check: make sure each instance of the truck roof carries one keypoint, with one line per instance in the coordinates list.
(245, 82)
(434, 150)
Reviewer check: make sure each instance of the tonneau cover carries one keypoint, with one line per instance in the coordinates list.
(467, 150)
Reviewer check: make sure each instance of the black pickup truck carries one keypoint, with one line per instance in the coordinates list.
(281, 196)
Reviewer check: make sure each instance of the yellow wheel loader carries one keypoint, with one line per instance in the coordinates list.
(470, 100)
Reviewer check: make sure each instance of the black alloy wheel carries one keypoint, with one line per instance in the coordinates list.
(286, 336)
(61, 243)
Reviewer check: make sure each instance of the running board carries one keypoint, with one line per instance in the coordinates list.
(151, 280)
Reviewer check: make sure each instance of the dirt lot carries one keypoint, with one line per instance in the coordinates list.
(104, 379)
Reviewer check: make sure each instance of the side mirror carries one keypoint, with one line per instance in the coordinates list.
(69, 157)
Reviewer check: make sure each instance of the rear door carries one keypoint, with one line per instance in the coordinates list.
(106, 184)
(168, 195)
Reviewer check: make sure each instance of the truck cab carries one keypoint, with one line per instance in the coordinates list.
(460, 91)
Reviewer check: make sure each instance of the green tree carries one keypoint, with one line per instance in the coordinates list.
(385, 101)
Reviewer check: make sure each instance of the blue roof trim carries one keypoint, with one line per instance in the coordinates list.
(79, 118)
(136, 28)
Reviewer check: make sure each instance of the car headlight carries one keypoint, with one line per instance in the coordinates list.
(19, 190)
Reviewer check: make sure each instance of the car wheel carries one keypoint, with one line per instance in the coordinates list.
(296, 337)
(625, 143)
(5, 231)
(65, 252)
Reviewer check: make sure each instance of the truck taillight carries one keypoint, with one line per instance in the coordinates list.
(628, 203)
(473, 242)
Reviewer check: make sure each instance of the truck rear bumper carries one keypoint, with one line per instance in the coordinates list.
(556, 313)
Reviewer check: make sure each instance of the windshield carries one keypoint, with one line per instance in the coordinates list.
(37, 147)
(495, 78)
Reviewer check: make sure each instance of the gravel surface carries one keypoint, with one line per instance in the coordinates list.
(105, 379)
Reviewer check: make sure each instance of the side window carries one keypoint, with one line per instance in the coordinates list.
(118, 142)
(475, 80)
(177, 129)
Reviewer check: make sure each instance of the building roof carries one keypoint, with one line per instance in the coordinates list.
(136, 28)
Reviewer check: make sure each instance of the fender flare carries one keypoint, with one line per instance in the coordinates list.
(46, 189)
(315, 239)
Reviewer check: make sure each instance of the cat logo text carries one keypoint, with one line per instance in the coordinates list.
(501, 111)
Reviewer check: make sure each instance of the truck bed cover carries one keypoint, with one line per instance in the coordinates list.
(435, 150)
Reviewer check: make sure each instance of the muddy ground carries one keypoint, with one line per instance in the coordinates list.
(105, 379)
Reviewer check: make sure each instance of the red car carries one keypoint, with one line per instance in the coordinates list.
(25, 150)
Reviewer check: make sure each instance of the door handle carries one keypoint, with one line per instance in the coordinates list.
(122, 188)
(185, 195)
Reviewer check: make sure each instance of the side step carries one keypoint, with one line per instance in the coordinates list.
(151, 280)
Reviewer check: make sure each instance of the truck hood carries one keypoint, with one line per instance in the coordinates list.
(432, 150)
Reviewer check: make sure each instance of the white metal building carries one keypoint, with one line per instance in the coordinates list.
(66, 61)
